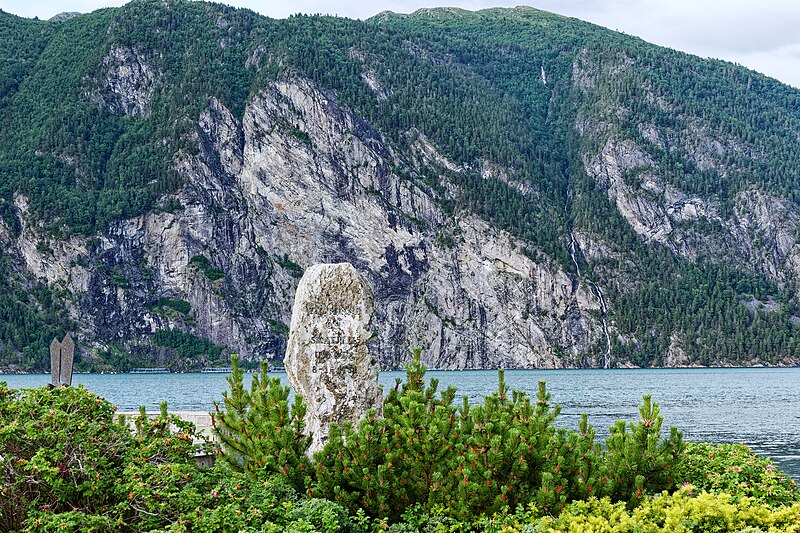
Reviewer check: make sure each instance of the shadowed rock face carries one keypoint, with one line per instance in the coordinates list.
(327, 358)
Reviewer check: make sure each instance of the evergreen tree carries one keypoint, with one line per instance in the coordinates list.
(258, 431)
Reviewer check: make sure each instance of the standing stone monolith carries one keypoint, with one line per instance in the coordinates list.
(327, 358)
(62, 357)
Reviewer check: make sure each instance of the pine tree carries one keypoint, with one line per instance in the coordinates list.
(259, 432)
(640, 461)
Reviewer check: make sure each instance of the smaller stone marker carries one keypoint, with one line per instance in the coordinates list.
(62, 357)
(55, 363)
(327, 358)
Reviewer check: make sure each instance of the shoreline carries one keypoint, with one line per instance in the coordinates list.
(794, 364)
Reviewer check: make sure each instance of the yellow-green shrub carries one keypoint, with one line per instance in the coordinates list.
(685, 510)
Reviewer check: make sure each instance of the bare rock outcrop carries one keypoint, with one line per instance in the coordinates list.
(299, 180)
(128, 83)
(327, 359)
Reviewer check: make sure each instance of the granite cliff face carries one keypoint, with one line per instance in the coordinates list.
(550, 195)
(300, 181)
(759, 234)
(758, 231)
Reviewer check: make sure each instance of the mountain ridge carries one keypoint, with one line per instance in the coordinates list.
(541, 192)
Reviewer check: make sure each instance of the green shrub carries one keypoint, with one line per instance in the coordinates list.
(393, 462)
(45, 521)
(219, 500)
(683, 511)
(690, 510)
(160, 473)
(181, 306)
(60, 450)
(202, 263)
(734, 469)
(258, 431)
(66, 465)
(426, 466)
(638, 461)
(469, 461)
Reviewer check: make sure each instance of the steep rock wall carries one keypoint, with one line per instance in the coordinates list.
(297, 181)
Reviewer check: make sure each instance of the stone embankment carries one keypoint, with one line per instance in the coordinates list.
(201, 419)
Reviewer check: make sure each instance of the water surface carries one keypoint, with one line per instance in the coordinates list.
(757, 406)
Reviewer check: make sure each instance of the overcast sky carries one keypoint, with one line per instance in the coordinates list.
(762, 35)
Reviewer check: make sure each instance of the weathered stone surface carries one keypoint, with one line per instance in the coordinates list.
(327, 358)
(62, 357)
(55, 363)
(67, 359)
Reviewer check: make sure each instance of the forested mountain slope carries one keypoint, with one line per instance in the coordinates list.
(522, 189)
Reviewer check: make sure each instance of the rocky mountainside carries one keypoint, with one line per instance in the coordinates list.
(521, 189)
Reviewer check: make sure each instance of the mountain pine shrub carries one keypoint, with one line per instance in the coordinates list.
(426, 453)
(640, 462)
(258, 431)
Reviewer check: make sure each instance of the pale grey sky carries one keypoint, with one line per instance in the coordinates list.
(763, 35)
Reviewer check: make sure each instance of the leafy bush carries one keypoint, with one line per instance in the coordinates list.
(734, 469)
(66, 465)
(219, 500)
(686, 510)
(59, 450)
(159, 468)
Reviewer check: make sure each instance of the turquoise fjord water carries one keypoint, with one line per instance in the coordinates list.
(758, 406)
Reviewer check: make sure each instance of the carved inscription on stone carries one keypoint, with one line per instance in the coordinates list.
(328, 359)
